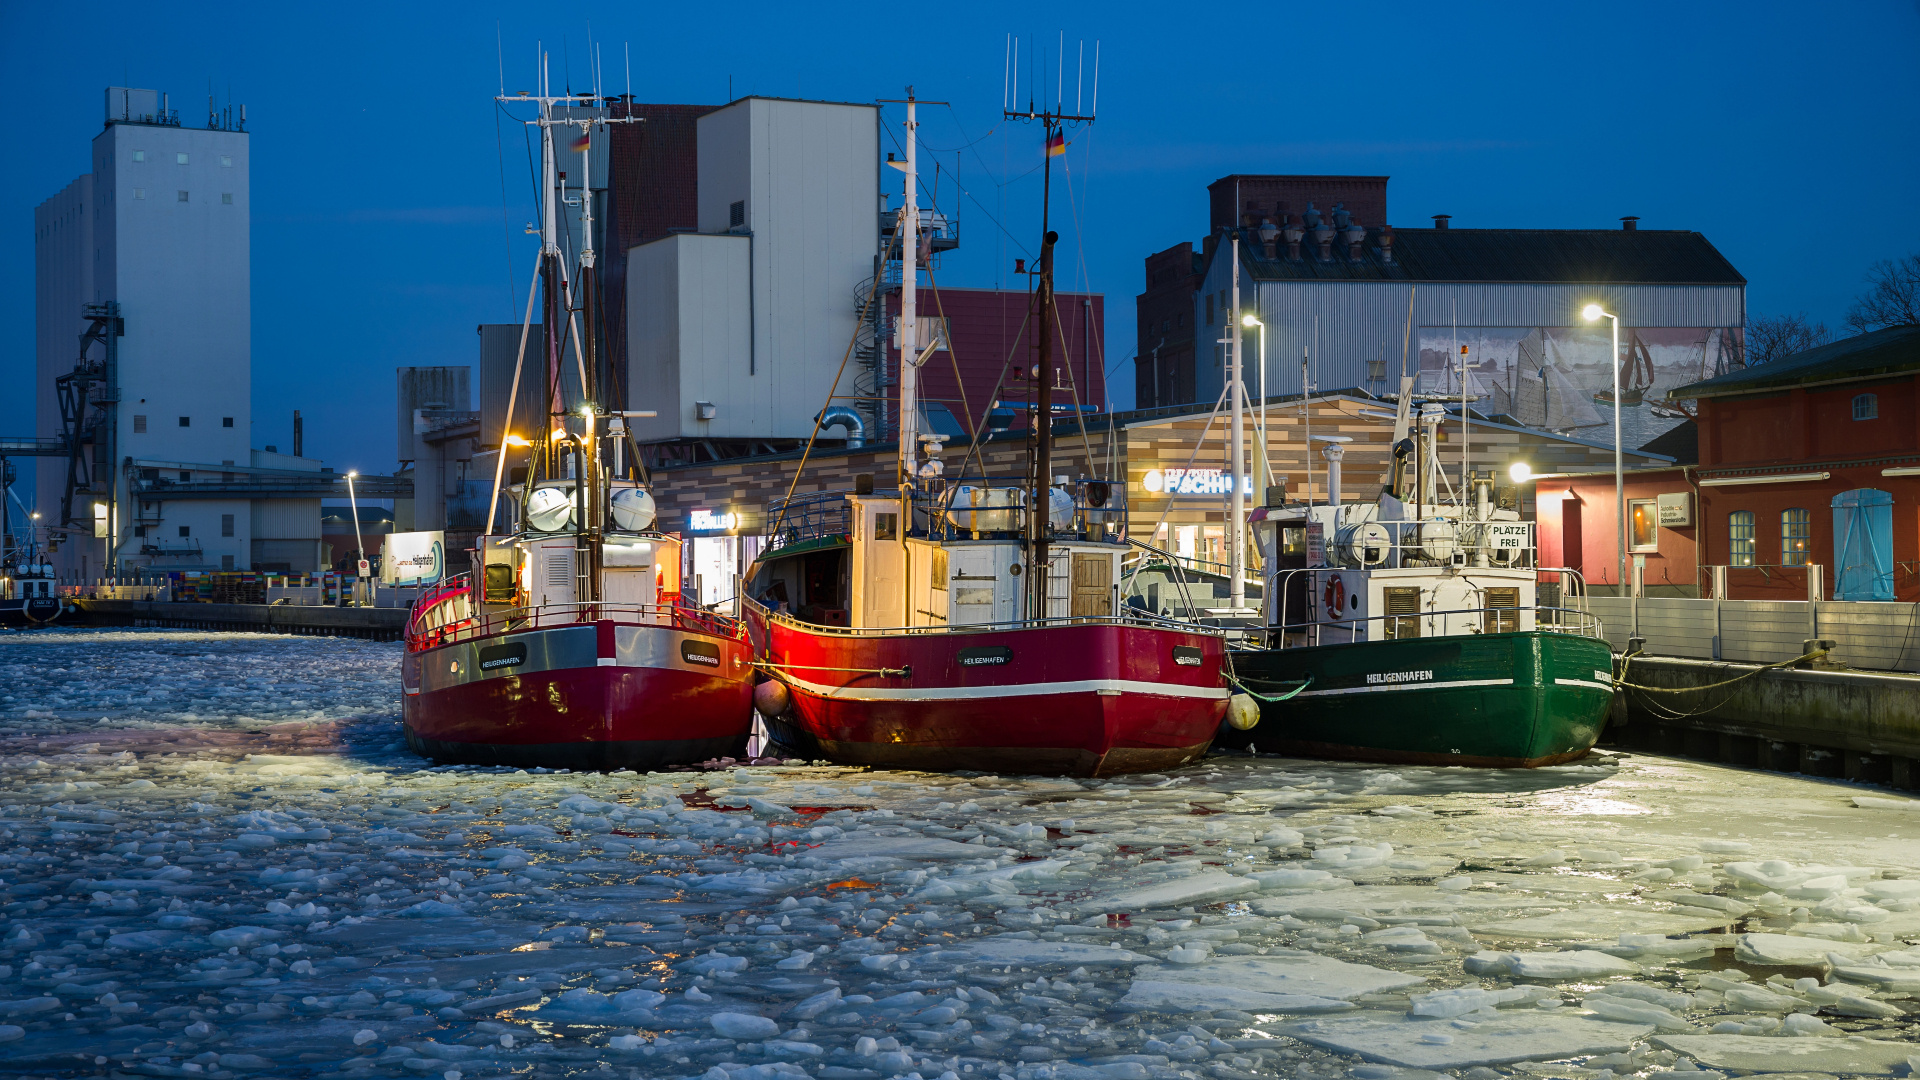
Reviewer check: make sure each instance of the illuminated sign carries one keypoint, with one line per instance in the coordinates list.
(1192, 482)
(709, 521)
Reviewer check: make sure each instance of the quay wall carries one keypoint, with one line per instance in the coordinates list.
(381, 624)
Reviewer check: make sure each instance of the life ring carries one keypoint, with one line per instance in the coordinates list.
(1335, 595)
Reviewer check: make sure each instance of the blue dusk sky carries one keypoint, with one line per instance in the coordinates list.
(1789, 135)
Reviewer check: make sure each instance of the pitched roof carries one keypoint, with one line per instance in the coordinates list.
(1876, 355)
(1549, 256)
(1680, 442)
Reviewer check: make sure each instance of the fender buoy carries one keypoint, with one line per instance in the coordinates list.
(1242, 712)
(1335, 596)
(771, 698)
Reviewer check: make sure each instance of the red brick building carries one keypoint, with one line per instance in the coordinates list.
(1809, 461)
(987, 332)
(1163, 370)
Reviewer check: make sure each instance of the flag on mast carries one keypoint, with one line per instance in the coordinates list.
(580, 144)
(1056, 144)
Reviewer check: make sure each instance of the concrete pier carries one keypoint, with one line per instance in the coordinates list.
(1856, 725)
(381, 624)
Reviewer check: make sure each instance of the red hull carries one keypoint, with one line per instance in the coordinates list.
(1091, 699)
(598, 695)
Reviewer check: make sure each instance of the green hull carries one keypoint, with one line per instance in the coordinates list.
(1521, 699)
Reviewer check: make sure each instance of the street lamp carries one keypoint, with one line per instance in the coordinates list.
(1266, 466)
(1594, 313)
(359, 546)
(1520, 472)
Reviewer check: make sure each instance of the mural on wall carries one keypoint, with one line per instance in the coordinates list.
(1557, 377)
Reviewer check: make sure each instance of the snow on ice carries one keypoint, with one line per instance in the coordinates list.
(218, 859)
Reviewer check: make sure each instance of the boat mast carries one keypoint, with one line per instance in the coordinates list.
(1237, 505)
(908, 336)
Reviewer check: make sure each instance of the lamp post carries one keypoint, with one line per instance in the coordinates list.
(1263, 467)
(359, 546)
(1594, 313)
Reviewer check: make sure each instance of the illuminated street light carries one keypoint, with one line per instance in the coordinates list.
(1520, 471)
(1594, 313)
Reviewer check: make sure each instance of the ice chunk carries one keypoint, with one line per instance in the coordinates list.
(1200, 888)
(744, 1026)
(1446, 1004)
(1012, 949)
(243, 936)
(1611, 1007)
(1591, 921)
(1792, 950)
(1294, 879)
(587, 1007)
(1355, 857)
(808, 1008)
(1805, 1054)
(1407, 939)
(1708, 900)
(1550, 966)
(1874, 802)
(1283, 981)
(898, 847)
(1753, 999)
(1497, 1040)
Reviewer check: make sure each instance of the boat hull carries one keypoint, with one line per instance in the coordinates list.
(597, 695)
(25, 613)
(1504, 700)
(1094, 699)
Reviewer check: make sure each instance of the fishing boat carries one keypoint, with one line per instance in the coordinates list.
(29, 589)
(972, 624)
(572, 644)
(1417, 629)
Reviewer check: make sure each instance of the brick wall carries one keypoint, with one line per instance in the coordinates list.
(1163, 320)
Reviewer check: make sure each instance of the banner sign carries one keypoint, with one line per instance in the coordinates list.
(413, 557)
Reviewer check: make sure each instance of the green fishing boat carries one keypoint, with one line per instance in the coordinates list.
(1417, 628)
(1514, 699)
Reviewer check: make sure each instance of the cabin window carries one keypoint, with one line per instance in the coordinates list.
(499, 583)
(886, 526)
(1642, 525)
(939, 576)
(1293, 540)
(1403, 612)
(1866, 406)
(1796, 536)
(1503, 610)
(1740, 538)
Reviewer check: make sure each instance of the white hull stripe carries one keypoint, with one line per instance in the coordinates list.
(1588, 683)
(1390, 687)
(1102, 687)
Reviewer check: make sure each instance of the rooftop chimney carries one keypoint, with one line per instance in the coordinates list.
(299, 435)
(1629, 224)
(1440, 220)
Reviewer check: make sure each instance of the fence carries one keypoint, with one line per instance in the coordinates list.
(1868, 636)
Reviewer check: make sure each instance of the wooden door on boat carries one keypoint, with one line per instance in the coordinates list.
(1092, 585)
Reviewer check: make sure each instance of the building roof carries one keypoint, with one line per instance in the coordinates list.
(1892, 351)
(1681, 442)
(1539, 256)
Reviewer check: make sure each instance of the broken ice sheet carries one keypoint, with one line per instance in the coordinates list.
(1591, 922)
(1282, 981)
(1452, 1044)
(1805, 1054)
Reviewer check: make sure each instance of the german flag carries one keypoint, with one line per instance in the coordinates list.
(1057, 144)
(580, 144)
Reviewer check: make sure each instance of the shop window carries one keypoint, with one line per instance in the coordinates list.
(1796, 536)
(1643, 523)
(1866, 406)
(1740, 538)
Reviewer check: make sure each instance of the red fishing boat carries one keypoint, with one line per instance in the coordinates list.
(973, 625)
(573, 647)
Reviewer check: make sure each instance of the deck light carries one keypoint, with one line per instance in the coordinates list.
(515, 440)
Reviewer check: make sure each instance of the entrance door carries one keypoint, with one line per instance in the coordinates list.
(1863, 545)
(1092, 585)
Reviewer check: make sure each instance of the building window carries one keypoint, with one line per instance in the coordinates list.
(1796, 536)
(149, 474)
(139, 155)
(186, 421)
(1866, 406)
(1209, 309)
(226, 162)
(185, 531)
(183, 196)
(139, 424)
(1740, 538)
(1642, 525)
(226, 562)
(226, 524)
(139, 193)
(226, 421)
(737, 214)
(181, 158)
(932, 330)
(139, 530)
(226, 198)
(186, 476)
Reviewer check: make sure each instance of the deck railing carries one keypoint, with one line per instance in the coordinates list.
(447, 616)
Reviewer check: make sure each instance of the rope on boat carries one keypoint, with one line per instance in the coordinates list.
(1289, 695)
(902, 671)
(1627, 658)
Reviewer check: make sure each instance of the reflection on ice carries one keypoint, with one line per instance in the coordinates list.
(218, 860)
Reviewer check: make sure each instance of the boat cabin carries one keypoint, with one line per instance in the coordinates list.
(955, 557)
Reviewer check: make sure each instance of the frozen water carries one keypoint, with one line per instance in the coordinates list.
(1807, 1054)
(216, 852)
(1491, 1040)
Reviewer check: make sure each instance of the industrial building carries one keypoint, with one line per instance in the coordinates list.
(1347, 300)
(145, 433)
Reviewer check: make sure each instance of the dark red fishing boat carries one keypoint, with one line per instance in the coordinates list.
(973, 625)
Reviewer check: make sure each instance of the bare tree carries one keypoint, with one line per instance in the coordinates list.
(1892, 297)
(1773, 337)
